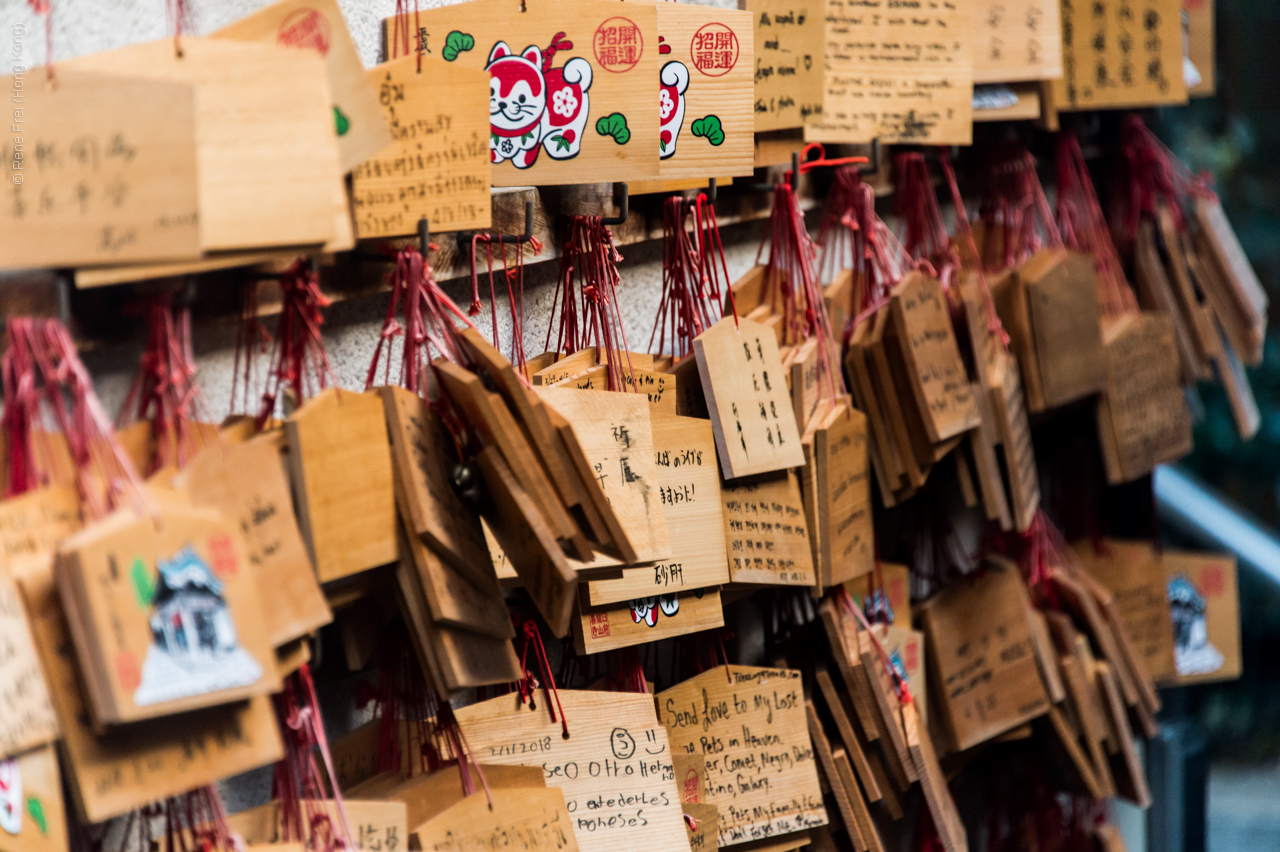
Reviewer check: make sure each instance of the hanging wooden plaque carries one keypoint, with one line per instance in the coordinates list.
(614, 767)
(568, 83)
(1121, 53)
(31, 525)
(766, 531)
(266, 156)
(1018, 40)
(746, 390)
(318, 25)
(751, 726)
(1205, 605)
(340, 465)
(891, 580)
(116, 772)
(376, 826)
(643, 620)
(262, 506)
(789, 84)
(897, 77)
(27, 719)
(688, 481)
(33, 817)
(98, 169)
(165, 613)
(845, 538)
(526, 818)
(1135, 576)
(437, 164)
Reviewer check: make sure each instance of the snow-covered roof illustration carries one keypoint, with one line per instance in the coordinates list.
(185, 571)
(1184, 593)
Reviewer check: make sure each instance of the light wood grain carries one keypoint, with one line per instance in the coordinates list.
(767, 531)
(41, 813)
(1104, 70)
(789, 86)
(648, 619)
(1019, 40)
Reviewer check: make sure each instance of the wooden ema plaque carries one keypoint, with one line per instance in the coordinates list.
(1143, 419)
(99, 169)
(789, 84)
(893, 582)
(568, 83)
(116, 772)
(33, 817)
(1205, 605)
(254, 191)
(1121, 53)
(525, 818)
(437, 164)
(1135, 576)
(28, 719)
(706, 60)
(897, 76)
(293, 605)
(981, 649)
(648, 619)
(750, 724)
(165, 613)
(340, 465)
(1018, 40)
(688, 481)
(31, 525)
(318, 25)
(746, 391)
(615, 767)
(766, 531)
(840, 474)
(375, 826)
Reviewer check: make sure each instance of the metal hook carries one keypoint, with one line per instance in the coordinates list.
(465, 237)
(795, 177)
(874, 165)
(624, 205)
(712, 191)
(62, 281)
(424, 246)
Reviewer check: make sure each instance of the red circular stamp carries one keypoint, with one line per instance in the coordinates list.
(305, 28)
(618, 45)
(714, 50)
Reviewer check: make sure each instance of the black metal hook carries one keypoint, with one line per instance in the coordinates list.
(874, 165)
(465, 237)
(795, 177)
(424, 246)
(624, 205)
(712, 191)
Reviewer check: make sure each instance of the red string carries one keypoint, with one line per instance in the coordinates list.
(845, 601)
(1015, 212)
(926, 236)
(529, 683)
(299, 361)
(695, 276)
(44, 8)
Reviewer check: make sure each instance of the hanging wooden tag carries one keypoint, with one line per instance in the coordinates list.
(1143, 415)
(980, 646)
(746, 390)
(691, 777)
(615, 432)
(643, 620)
(451, 597)
(1205, 606)
(427, 796)
(905, 648)
(1008, 405)
(1106, 64)
(1198, 319)
(33, 817)
(843, 497)
(893, 581)
(659, 387)
(1136, 578)
(28, 719)
(1064, 321)
(165, 613)
(854, 745)
(424, 457)
(1021, 40)
(789, 85)
(583, 68)
(99, 169)
(318, 25)
(375, 826)
(750, 724)
(766, 531)
(438, 164)
(826, 763)
(842, 639)
(896, 398)
(937, 796)
(1240, 300)
(706, 818)
(1155, 293)
(115, 773)
(688, 483)
(614, 767)
(253, 190)
(31, 525)
(877, 66)
(262, 507)
(1126, 766)
(887, 707)
(340, 461)
(528, 817)
(706, 64)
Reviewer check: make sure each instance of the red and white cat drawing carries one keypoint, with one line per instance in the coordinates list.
(532, 104)
(675, 82)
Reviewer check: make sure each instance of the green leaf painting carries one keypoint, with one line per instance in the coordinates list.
(614, 125)
(709, 128)
(143, 585)
(35, 810)
(456, 42)
(340, 121)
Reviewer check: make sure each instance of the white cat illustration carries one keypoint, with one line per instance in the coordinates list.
(675, 81)
(532, 104)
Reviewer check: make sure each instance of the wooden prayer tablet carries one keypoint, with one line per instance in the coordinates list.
(99, 169)
(452, 599)
(438, 164)
(688, 481)
(789, 86)
(1108, 71)
(706, 96)
(266, 155)
(615, 767)
(262, 507)
(746, 391)
(340, 462)
(1063, 320)
(35, 817)
(852, 743)
(750, 724)
(587, 72)
(318, 25)
(28, 720)
(1021, 40)
(876, 67)
(1155, 292)
(1135, 576)
(1231, 284)
(766, 531)
(165, 613)
(707, 820)
(32, 524)
(827, 764)
(1205, 605)
(116, 772)
(374, 824)
(942, 807)
(981, 648)
(529, 817)
(643, 620)
(843, 497)
(1009, 408)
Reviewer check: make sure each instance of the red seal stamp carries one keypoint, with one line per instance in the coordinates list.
(714, 50)
(618, 45)
(305, 28)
